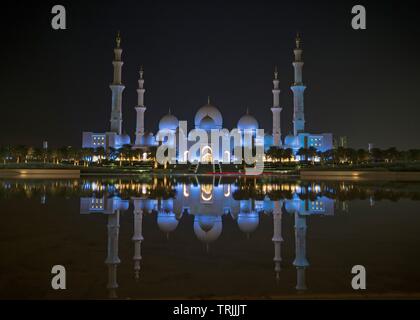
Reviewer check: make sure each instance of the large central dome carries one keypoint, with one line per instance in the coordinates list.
(211, 115)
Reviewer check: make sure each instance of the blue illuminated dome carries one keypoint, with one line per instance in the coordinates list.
(207, 123)
(247, 122)
(169, 122)
(208, 111)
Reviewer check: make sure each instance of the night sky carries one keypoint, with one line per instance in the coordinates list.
(360, 84)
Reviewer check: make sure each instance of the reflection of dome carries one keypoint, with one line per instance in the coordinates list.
(211, 112)
(207, 228)
(168, 121)
(247, 122)
(167, 222)
(248, 222)
(291, 206)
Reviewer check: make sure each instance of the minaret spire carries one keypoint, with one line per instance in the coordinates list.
(276, 110)
(117, 88)
(140, 109)
(298, 89)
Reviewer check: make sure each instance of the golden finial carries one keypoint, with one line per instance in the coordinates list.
(118, 39)
(298, 40)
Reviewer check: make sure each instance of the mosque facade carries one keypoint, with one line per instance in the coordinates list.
(208, 118)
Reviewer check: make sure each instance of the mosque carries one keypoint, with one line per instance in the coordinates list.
(209, 118)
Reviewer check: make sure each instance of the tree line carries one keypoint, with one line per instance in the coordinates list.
(83, 156)
(342, 155)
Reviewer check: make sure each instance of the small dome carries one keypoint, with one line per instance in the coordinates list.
(210, 111)
(168, 121)
(247, 122)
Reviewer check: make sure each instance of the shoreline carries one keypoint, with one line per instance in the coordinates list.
(49, 173)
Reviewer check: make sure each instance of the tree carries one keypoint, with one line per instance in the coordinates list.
(4, 153)
(377, 155)
(311, 153)
(302, 153)
(362, 155)
(100, 153)
(288, 154)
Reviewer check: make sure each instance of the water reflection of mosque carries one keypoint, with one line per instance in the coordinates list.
(208, 202)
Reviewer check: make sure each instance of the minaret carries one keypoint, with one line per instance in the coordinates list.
(298, 89)
(276, 111)
(117, 88)
(300, 262)
(140, 109)
(137, 239)
(277, 237)
(112, 259)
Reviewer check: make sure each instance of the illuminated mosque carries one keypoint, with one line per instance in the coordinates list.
(208, 118)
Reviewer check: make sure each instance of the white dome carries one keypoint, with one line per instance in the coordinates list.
(247, 122)
(168, 121)
(207, 228)
(211, 112)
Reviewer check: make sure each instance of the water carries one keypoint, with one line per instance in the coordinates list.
(208, 237)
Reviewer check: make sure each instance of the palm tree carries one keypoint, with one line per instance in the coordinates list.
(362, 155)
(377, 154)
(288, 154)
(303, 153)
(4, 153)
(100, 153)
(311, 153)
(20, 152)
(391, 154)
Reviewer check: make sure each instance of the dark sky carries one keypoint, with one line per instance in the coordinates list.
(361, 84)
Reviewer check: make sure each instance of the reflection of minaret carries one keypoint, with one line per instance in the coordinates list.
(112, 259)
(298, 89)
(277, 237)
(300, 262)
(117, 88)
(137, 239)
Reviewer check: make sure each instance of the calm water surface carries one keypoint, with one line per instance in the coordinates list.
(208, 237)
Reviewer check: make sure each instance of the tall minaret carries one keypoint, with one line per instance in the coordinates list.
(276, 111)
(277, 237)
(298, 89)
(140, 109)
(117, 88)
(300, 262)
